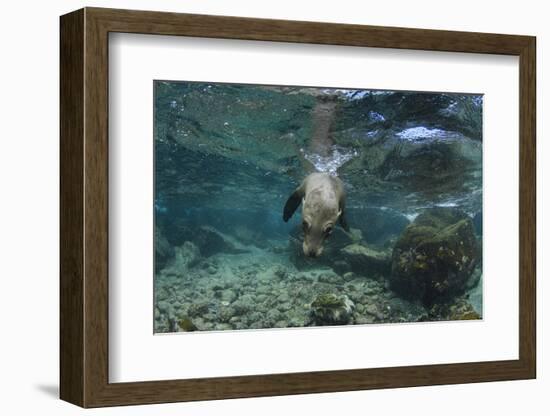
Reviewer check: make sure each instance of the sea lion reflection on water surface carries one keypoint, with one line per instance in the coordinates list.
(323, 201)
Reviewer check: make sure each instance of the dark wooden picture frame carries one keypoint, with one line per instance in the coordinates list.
(84, 207)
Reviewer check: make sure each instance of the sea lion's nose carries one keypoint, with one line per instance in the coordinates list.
(312, 253)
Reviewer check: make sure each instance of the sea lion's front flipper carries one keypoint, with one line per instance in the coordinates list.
(292, 203)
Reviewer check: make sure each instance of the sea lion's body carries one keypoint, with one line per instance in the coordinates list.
(323, 200)
(322, 195)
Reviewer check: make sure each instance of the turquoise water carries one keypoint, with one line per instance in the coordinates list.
(228, 156)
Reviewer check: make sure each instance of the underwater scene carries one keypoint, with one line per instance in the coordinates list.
(289, 206)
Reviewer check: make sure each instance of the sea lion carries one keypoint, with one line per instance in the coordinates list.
(323, 202)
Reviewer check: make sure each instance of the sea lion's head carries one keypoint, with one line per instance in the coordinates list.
(318, 222)
(323, 200)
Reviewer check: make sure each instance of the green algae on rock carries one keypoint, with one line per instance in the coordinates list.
(331, 309)
(460, 309)
(435, 256)
(187, 325)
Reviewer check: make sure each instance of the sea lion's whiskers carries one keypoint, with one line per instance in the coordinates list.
(296, 240)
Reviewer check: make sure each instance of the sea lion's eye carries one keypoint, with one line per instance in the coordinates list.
(328, 230)
(305, 225)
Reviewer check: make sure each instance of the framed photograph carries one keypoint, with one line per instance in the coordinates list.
(255, 207)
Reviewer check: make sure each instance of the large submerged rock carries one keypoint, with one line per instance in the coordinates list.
(435, 256)
(163, 249)
(365, 260)
(211, 241)
(185, 257)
